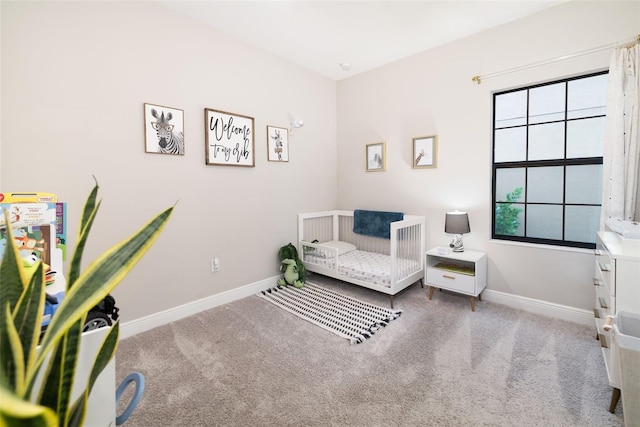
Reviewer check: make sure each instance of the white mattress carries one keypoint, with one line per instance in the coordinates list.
(367, 266)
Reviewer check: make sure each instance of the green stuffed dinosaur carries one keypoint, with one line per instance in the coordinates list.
(292, 267)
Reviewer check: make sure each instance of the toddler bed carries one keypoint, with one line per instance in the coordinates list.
(383, 251)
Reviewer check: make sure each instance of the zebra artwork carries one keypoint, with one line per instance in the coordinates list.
(169, 142)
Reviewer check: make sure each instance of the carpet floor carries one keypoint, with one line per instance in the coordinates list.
(250, 363)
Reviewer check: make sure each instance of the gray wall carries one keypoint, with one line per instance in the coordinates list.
(432, 93)
(75, 76)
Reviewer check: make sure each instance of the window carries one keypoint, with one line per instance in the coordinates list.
(547, 161)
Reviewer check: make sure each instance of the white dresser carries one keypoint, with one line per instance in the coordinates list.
(617, 285)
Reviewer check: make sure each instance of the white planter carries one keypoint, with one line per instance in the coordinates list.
(101, 406)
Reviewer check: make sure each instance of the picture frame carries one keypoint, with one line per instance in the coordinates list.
(425, 152)
(229, 138)
(376, 157)
(163, 130)
(277, 144)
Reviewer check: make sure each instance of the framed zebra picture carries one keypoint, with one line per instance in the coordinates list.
(229, 139)
(163, 130)
(425, 152)
(277, 144)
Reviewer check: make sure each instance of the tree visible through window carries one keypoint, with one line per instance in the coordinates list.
(547, 161)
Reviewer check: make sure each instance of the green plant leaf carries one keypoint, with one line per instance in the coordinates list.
(106, 353)
(98, 280)
(12, 275)
(25, 313)
(89, 207)
(78, 412)
(507, 218)
(71, 352)
(18, 412)
(52, 379)
(11, 354)
(59, 378)
(28, 317)
(88, 216)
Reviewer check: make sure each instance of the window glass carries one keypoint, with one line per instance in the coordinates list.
(587, 97)
(546, 103)
(511, 109)
(545, 184)
(510, 144)
(582, 223)
(544, 221)
(585, 137)
(546, 141)
(508, 180)
(584, 184)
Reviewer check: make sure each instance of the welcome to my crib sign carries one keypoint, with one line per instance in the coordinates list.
(228, 139)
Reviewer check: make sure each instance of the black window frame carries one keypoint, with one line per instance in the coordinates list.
(527, 164)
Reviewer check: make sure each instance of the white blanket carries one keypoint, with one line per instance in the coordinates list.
(368, 266)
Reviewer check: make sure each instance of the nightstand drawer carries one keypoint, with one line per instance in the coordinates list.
(462, 283)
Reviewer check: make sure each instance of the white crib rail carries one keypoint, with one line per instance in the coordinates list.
(406, 245)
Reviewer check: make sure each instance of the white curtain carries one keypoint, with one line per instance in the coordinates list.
(622, 143)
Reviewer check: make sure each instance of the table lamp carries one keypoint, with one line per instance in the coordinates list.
(457, 223)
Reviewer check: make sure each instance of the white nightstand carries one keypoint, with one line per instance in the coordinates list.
(462, 272)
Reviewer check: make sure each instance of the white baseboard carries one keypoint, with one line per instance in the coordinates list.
(146, 323)
(544, 308)
(142, 324)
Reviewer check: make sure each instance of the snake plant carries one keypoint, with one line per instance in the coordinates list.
(22, 401)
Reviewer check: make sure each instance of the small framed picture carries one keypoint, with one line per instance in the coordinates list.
(277, 144)
(376, 157)
(425, 152)
(163, 129)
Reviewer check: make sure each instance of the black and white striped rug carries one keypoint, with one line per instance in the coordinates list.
(340, 314)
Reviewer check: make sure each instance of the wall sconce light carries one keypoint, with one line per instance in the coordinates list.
(295, 124)
(457, 223)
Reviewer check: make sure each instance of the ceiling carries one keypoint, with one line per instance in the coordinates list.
(320, 35)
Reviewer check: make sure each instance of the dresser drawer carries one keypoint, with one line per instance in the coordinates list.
(605, 266)
(462, 283)
(604, 302)
(604, 273)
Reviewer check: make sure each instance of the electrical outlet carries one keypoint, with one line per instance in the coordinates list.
(215, 264)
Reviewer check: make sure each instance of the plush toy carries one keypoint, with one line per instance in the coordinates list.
(30, 263)
(292, 267)
(290, 273)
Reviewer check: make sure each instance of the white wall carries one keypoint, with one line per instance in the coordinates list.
(75, 76)
(432, 93)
